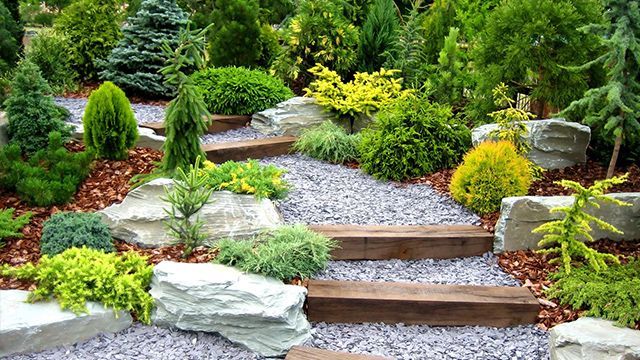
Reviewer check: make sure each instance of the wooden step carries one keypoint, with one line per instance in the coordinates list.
(376, 242)
(219, 123)
(428, 304)
(249, 149)
(307, 353)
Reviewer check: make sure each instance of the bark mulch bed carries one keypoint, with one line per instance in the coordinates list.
(107, 184)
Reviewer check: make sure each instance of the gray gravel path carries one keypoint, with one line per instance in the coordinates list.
(245, 133)
(143, 113)
(324, 193)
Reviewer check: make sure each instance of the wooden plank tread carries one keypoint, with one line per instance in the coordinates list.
(249, 149)
(219, 123)
(307, 353)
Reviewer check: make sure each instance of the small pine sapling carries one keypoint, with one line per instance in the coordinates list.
(510, 120)
(563, 236)
(188, 195)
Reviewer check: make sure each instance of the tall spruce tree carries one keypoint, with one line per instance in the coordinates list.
(614, 108)
(235, 37)
(9, 46)
(134, 64)
(379, 31)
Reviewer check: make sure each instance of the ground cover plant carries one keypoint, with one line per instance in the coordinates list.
(11, 225)
(284, 253)
(411, 138)
(65, 230)
(110, 128)
(328, 142)
(262, 181)
(80, 275)
(239, 91)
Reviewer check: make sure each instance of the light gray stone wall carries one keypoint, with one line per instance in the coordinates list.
(520, 215)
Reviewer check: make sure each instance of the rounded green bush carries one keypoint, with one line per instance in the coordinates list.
(490, 172)
(65, 230)
(411, 138)
(110, 128)
(239, 91)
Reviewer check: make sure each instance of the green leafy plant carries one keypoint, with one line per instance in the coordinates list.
(378, 34)
(134, 63)
(110, 128)
(65, 230)
(360, 97)
(31, 112)
(328, 142)
(50, 176)
(48, 50)
(413, 137)
(239, 91)
(92, 30)
(80, 275)
(284, 253)
(187, 196)
(247, 178)
(566, 236)
(613, 294)
(489, 173)
(235, 36)
(9, 226)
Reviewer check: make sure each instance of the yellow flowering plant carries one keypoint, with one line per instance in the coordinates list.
(246, 178)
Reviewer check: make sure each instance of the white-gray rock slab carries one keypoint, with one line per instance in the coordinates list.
(555, 143)
(291, 117)
(520, 215)
(4, 124)
(147, 137)
(26, 327)
(592, 338)
(140, 218)
(258, 312)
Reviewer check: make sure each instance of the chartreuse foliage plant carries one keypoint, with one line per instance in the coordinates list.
(566, 237)
(489, 173)
(239, 91)
(10, 226)
(613, 294)
(65, 230)
(187, 196)
(362, 96)
(510, 120)
(411, 138)
(49, 177)
(79, 275)
(110, 128)
(284, 253)
(263, 181)
(328, 142)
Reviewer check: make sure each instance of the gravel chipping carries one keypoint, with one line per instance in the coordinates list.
(476, 270)
(245, 133)
(144, 113)
(324, 193)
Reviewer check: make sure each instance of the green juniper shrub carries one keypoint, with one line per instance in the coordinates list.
(284, 253)
(612, 294)
(413, 137)
(439, 19)
(79, 275)
(48, 50)
(263, 181)
(239, 91)
(489, 173)
(50, 176)
(31, 112)
(328, 142)
(235, 36)
(10, 226)
(134, 64)
(9, 45)
(65, 230)
(378, 33)
(566, 237)
(110, 127)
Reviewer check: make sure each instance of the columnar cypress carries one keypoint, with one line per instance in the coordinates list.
(134, 63)
(378, 34)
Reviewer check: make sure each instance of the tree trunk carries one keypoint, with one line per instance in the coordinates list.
(614, 156)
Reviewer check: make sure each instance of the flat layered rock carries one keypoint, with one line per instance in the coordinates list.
(139, 219)
(26, 327)
(291, 117)
(258, 312)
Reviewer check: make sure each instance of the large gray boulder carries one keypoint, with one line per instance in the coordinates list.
(28, 327)
(147, 137)
(591, 338)
(258, 312)
(139, 219)
(555, 143)
(520, 215)
(4, 125)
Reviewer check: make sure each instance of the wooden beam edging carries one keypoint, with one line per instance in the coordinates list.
(249, 149)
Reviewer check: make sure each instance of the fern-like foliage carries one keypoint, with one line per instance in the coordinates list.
(564, 237)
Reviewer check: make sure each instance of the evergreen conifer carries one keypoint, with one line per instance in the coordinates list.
(9, 46)
(235, 39)
(378, 34)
